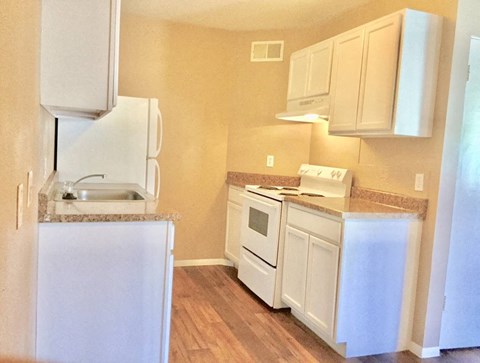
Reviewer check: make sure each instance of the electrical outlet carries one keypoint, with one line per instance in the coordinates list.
(419, 182)
(29, 187)
(19, 205)
(270, 161)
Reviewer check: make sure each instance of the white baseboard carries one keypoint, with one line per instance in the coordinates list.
(208, 262)
(422, 352)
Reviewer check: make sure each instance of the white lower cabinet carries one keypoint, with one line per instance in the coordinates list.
(310, 277)
(321, 284)
(234, 220)
(104, 292)
(295, 268)
(352, 281)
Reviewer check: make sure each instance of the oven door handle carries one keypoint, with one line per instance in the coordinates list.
(256, 200)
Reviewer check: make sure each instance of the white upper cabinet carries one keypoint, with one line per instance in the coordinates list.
(346, 73)
(310, 70)
(298, 74)
(79, 57)
(384, 77)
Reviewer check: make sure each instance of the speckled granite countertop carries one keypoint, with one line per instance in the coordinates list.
(52, 211)
(363, 203)
(354, 208)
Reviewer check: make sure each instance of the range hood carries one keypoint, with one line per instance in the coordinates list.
(312, 109)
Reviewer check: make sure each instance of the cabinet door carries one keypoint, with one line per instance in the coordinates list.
(346, 73)
(79, 56)
(102, 291)
(322, 284)
(232, 240)
(297, 78)
(319, 68)
(295, 268)
(379, 74)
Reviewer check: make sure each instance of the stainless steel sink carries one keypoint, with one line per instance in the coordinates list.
(108, 194)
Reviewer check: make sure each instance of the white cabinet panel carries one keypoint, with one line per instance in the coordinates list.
(319, 69)
(102, 291)
(79, 57)
(298, 74)
(322, 284)
(234, 221)
(232, 240)
(384, 76)
(346, 74)
(310, 70)
(295, 268)
(379, 74)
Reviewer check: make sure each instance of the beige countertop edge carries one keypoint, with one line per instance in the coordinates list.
(85, 218)
(353, 208)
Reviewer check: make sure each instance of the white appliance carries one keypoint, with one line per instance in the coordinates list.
(124, 145)
(313, 109)
(263, 226)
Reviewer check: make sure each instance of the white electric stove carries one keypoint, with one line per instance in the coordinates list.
(263, 226)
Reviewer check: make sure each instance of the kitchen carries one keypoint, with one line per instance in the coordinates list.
(197, 87)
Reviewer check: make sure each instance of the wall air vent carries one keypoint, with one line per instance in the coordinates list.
(267, 51)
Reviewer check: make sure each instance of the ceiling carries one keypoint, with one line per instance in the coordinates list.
(243, 15)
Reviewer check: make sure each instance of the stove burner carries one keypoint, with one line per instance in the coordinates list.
(312, 195)
(289, 194)
(289, 188)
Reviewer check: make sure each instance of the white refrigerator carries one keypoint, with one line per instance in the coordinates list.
(124, 144)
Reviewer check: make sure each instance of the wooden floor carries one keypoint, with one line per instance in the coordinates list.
(216, 319)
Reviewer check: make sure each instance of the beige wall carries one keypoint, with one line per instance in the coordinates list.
(189, 70)
(26, 137)
(391, 164)
(260, 91)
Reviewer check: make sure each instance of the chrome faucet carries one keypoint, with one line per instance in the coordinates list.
(68, 185)
(89, 176)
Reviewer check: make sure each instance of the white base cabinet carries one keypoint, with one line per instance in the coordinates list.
(104, 292)
(234, 220)
(352, 281)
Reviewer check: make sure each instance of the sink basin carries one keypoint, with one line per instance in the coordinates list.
(108, 194)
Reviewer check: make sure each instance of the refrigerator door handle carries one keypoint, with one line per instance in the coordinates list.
(160, 136)
(157, 179)
(155, 129)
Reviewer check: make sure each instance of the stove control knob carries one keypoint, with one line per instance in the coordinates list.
(319, 172)
(332, 173)
(339, 174)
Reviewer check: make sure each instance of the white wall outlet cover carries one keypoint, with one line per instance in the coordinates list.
(270, 161)
(419, 179)
(29, 187)
(19, 205)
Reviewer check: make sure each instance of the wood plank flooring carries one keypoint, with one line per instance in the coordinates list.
(217, 319)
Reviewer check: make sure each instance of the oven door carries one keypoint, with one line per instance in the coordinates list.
(260, 227)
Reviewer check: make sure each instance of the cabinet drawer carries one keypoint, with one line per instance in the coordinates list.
(235, 194)
(315, 224)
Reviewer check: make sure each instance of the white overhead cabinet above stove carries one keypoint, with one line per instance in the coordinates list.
(79, 57)
(384, 77)
(309, 83)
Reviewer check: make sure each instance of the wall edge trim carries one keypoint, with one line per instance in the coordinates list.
(203, 262)
(423, 352)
